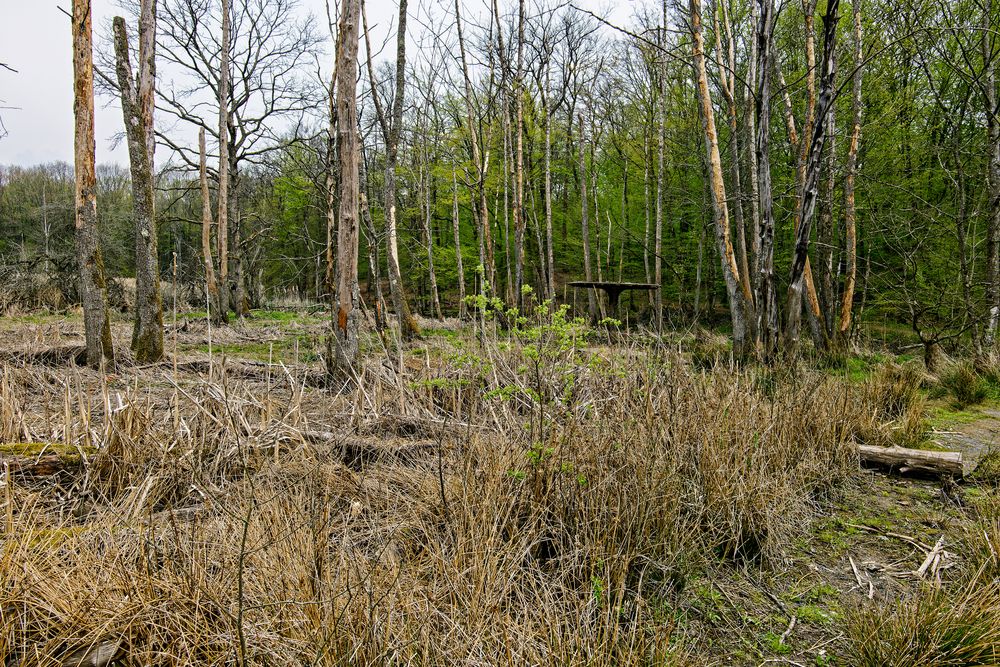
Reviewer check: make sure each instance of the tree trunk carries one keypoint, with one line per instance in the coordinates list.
(391, 129)
(93, 289)
(585, 222)
(812, 170)
(850, 210)
(730, 271)
(660, 151)
(223, 192)
(519, 225)
(137, 110)
(458, 244)
(211, 287)
(550, 266)
(767, 302)
(993, 180)
(347, 319)
(727, 80)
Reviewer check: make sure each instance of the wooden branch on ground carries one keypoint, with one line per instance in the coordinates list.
(917, 461)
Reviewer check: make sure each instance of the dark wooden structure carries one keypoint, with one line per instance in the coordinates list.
(613, 290)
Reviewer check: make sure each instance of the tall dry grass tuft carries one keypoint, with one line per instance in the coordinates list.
(540, 499)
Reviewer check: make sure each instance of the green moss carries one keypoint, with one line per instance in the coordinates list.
(68, 453)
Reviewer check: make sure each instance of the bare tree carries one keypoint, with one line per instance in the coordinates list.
(738, 300)
(93, 289)
(392, 127)
(850, 208)
(346, 316)
(211, 286)
(137, 109)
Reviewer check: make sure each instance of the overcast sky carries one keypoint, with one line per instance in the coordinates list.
(35, 40)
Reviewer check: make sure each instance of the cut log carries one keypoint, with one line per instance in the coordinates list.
(918, 461)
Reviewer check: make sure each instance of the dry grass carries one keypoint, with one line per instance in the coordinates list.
(534, 500)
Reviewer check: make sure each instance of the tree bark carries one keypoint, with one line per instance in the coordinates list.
(519, 225)
(738, 300)
(211, 286)
(223, 191)
(585, 222)
(809, 192)
(993, 180)
(137, 110)
(93, 288)
(456, 229)
(850, 209)
(767, 302)
(347, 317)
(391, 130)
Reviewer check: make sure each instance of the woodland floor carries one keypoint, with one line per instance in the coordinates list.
(861, 549)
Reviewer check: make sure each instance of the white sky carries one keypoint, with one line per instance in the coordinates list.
(35, 40)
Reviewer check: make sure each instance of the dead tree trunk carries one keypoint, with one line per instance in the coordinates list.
(223, 191)
(993, 179)
(93, 289)
(347, 317)
(810, 184)
(767, 302)
(850, 209)
(137, 110)
(738, 300)
(211, 287)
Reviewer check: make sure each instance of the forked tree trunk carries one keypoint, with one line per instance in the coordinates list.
(93, 289)
(137, 110)
(850, 210)
(211, 287)
(347, 318)
(223, 192)
(730, 271)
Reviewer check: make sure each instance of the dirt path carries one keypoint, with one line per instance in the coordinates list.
(974, 438)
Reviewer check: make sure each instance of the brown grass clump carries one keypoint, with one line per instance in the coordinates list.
(536, 502)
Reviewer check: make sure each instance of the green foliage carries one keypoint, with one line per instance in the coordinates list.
(967, 387)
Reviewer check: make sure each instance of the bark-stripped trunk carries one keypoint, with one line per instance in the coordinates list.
(850, 209)
(730, 271)
(727, 80)
(137, 111)
(93, 289)
(456, 229)
(810, 183)
(825, 233)
(585, 221)
(347, 318)
(223, 196)
(767, 302)
(211, 286)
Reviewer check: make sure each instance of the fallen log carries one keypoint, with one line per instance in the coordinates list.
(913, 461)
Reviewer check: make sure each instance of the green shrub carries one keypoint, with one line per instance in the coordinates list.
(966, 386)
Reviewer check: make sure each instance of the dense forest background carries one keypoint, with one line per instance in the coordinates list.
(613, 143)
